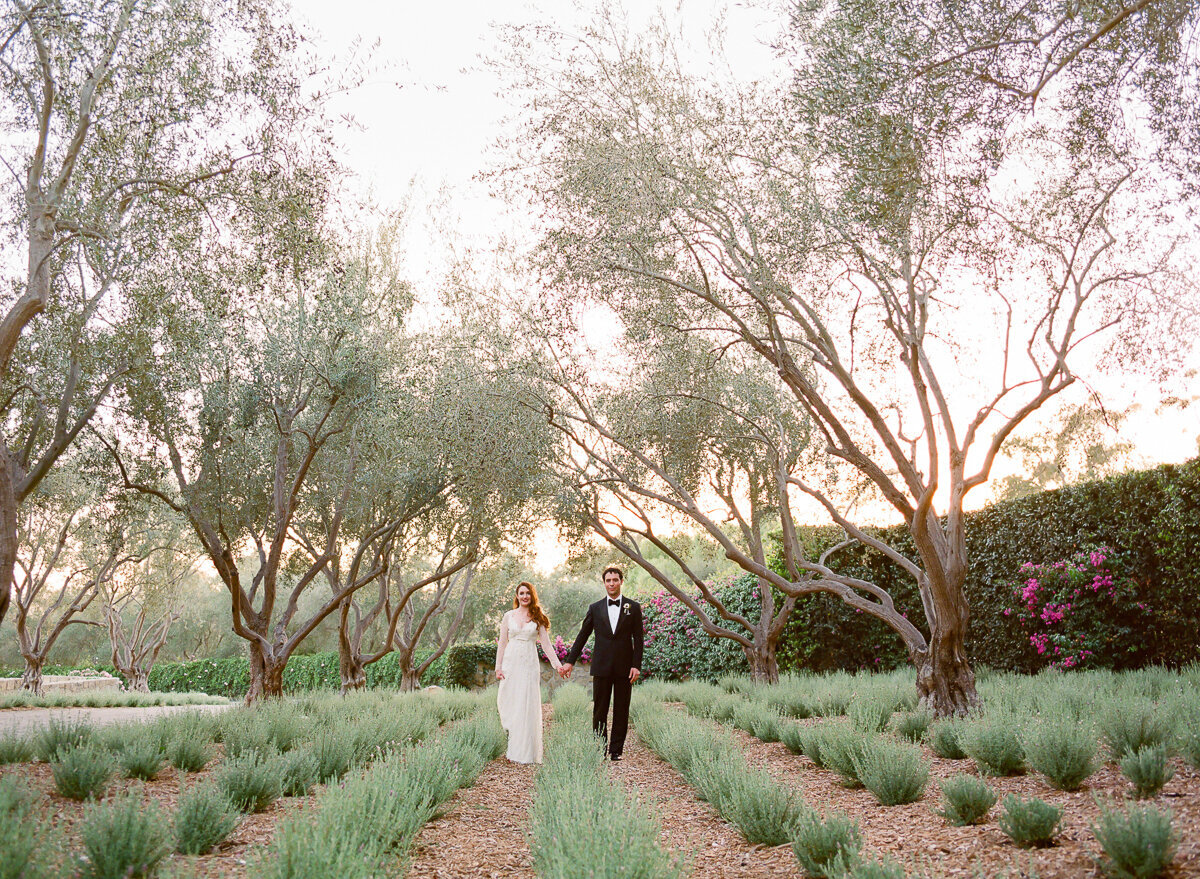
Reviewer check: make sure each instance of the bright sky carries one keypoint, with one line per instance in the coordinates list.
(430, 111)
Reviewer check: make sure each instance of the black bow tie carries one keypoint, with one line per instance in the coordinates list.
(614, 602)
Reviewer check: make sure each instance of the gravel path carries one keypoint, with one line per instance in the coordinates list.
(23, 719)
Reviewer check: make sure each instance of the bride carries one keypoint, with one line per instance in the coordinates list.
(520, 697)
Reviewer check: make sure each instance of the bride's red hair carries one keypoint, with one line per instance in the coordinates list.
(535, 608)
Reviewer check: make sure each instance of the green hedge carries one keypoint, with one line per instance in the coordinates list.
(1150, 518)
(317, 671)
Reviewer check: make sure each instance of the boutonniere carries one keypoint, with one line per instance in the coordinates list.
(625, 608)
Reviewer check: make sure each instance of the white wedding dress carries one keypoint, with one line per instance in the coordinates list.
(520, 696)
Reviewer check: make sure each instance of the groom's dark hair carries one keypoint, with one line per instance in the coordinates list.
(613, 569)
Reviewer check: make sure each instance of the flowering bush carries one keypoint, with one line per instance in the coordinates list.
(1063, 607)
(562, 648)
(677, 646)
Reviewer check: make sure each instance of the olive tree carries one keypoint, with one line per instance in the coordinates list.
(74, 540)
(249, 411)
(119, 119)
(686, 437)
(923, 264)
(144, 600)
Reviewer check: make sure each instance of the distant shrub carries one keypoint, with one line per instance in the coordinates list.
(1063, 751)
(944, 739)
(124, 838)
(1148, 768)
(188, 754)
(841, 747)
(895, 772)
(1030, 823)
(912, 725)
(1138, 841)
(297, 772)
(1129, 725)
(203, 819)
(992, 743)
(250, 783)
(58, 735)
(822, 845)
(82, 772)
(870, 715)
(142, 758)
(15, 748)
(966, 800)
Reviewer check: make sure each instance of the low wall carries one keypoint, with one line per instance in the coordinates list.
(73, 683)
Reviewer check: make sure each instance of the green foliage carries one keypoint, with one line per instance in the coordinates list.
(187, 753)
(756, 804)
(713, 764)
(297, 772)
(912, 725)
(1030, 823)
(1187, 740)
(1148, 768)
(82, 772)
(841, 748)
(203, 818)
(792, 736)
(820, 843)
(1129, 725)
(1062, 750)
(249, 782)
(944, 739)
(584, 823)
(676, 647)
(871, 868)
(1151, 517)
(141, 758)
(992, 743)
(966, 800)
(758, 720)
(895, 772)
(56, 736)
(1138, 841)
(124, 838)
(870, 715)
(15, 748)
(311, 672)
(334, 753)
(19, 849)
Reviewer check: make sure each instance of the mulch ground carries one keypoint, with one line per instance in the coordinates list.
(914, 833)
(232, 859)
(483, 830)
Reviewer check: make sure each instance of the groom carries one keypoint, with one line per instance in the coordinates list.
(616, 658)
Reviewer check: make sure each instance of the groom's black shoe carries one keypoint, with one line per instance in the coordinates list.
(614, 757)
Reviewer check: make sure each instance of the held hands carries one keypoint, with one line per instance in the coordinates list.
(564, 670)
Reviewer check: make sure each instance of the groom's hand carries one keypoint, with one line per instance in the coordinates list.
(634, 674)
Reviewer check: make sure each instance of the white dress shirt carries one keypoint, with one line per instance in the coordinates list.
(614, 612)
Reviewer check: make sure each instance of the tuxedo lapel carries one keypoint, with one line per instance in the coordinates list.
(603, 604)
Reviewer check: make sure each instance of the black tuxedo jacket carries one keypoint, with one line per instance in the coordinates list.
(614, 653)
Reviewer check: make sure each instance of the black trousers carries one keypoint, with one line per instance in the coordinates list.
(615, 691)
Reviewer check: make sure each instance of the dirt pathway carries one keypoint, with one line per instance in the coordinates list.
(482, 833)
(693, 828)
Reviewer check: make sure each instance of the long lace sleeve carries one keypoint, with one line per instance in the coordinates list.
(547, 647)
(502, 642)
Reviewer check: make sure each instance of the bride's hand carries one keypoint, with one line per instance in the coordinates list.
(499, 675)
